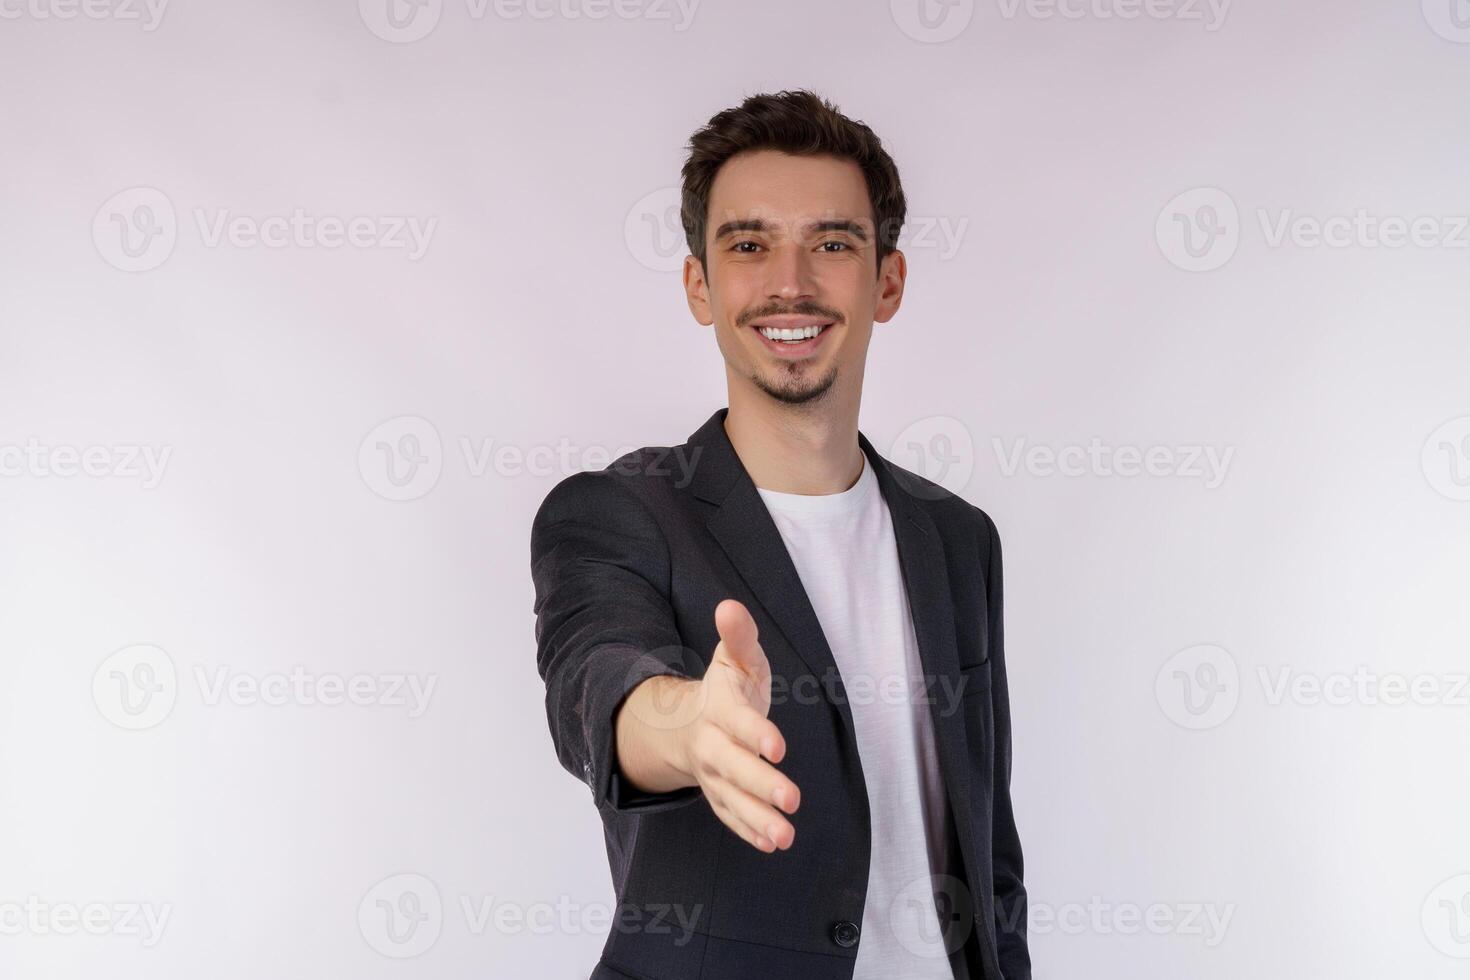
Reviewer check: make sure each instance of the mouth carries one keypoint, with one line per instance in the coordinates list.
(788, 336)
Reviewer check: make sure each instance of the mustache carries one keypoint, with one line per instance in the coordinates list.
(800, 309)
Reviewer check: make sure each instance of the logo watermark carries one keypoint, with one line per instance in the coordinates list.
(941, 449)
(932, 916)
(403, 458)
(406, 21)
(1445, 459)
(119, 461)
(143, 921)
(1450, 19)
(1201, 686)
(401, 916)
(1201, 229)
(1210, 14)
(932, 21)
(1207, 921)
(137, 230)
(404, 915)
(1363, 686)
(1205, 463)
(147, 14)
(938, 448)
(138, 687)
(1445, 916)
(1198, 687)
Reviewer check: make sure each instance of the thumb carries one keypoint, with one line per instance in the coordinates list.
(738, 634)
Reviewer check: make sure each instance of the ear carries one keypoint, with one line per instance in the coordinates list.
(696, 290)
(891, 276)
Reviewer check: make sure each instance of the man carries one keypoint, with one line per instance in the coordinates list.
(777, 658)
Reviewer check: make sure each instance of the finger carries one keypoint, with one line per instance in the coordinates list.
(733, 820)
(755, 731)
(758, 817)
(738, 634)
(756, 777)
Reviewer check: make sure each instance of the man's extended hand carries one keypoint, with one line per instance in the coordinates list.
(672, 732)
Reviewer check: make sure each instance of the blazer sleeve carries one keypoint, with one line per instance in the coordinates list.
(604, 625)
(1010, 889)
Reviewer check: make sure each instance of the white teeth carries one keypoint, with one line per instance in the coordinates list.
(785, 333)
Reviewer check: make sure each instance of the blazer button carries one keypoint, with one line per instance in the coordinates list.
(845, 934)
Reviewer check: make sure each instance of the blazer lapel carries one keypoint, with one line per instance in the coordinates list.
(921, 555)
(744, 529)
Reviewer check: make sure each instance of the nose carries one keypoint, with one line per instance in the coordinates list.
(790, 274)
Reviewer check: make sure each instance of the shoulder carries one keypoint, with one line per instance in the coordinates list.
(953, 515)
(627, 489)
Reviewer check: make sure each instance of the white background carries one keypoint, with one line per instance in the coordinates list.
(541, 154)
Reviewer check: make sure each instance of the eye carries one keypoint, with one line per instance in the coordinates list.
(737, 245)
(843, 245)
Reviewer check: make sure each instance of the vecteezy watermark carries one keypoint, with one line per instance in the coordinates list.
(1445, 916)
(937, 21)
(1200, 687)
(564, 917)
(940, 449)
(137, 229)
(121, 461)
(406, 21)
(653, 231)
(892, 688)
(35, 916)
(1363, 686)
(1450, 19)
(932, 21)
(1210, 13)
(403, 458)
(1200, 229)
(672, 706)
(1209, 921)
(404, 915)
(1208, 464)
(401, 916)
(1445, 459)
(932, 916)
(137, 688)
(1362, 229)
(147, 13)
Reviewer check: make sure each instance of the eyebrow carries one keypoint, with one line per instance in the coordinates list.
(816, 227)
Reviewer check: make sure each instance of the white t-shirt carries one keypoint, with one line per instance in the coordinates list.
(843, 547)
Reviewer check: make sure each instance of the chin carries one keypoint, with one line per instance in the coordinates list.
(803, 392)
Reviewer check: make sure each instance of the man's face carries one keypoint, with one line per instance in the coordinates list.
(791, 247)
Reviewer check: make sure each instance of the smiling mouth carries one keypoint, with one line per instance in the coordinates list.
(792, 335)
(795, 339)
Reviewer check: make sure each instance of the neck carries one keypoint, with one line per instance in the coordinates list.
(805, 449)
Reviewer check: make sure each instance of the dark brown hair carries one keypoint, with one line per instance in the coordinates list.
(797, 122)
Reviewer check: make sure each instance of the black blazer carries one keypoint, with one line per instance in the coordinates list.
(629, 564)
